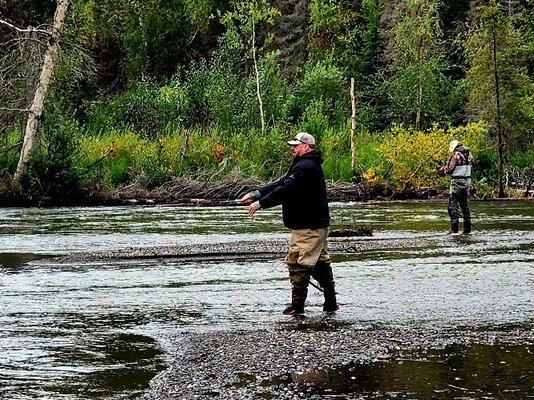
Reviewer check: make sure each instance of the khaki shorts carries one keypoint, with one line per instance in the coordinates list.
(307, 246)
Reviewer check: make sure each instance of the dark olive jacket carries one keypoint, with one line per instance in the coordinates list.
(301, 192)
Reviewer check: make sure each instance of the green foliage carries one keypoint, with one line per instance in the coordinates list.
(325, 16)
(322, 89)
(120, 158)
(278, 100)
(53, 171)
(9, 155)
(246, 14)
(347, 32)
(336, 153)
(153, 35)
(146, 108)
(417, 84)
(494, 51)
(315, 119)
(158, 160)
(412, 157)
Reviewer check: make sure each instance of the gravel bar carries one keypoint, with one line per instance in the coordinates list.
(267, 363)
(245, 249)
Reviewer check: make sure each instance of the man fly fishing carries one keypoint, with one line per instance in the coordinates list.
(459, 167)
(302, 194)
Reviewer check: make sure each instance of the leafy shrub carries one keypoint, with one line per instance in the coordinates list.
(399, 156)
(54, 171)
(9, 158)
(412, 158)
(112, 156)
(315, 119)
(336, 152)
(275, 90)
(323, 82)
(145, 108)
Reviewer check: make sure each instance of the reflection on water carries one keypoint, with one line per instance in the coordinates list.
(98, 329)
(456, 372)
(121, 363)
(12, 261)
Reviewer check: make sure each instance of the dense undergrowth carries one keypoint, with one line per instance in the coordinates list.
(169, 91)
(77, 162)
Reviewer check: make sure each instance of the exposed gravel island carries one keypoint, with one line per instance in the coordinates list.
(322, 358)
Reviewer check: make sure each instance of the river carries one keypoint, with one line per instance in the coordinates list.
(100, 329)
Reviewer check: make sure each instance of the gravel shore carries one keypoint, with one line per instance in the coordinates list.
(270, 249)
(288, 361)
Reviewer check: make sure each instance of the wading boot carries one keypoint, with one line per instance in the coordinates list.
(467, 227)
(454, 228)
(299, 276)
(293, 311)
(322, 272)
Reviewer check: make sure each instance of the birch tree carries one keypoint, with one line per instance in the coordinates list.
(31, 134)
(245, 18)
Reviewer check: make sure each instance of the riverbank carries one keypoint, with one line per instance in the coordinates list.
(180, 191)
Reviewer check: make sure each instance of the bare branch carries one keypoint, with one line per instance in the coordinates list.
(23, 30)
(14, 109)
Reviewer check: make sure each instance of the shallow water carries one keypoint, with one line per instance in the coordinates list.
(456, 372)
(100, 329)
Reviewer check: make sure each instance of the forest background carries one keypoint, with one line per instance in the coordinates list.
(147, 95)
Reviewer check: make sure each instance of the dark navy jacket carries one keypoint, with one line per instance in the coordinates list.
(301, 192)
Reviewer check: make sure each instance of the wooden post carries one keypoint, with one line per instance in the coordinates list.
(262, 117)
(31, 134)
(352, 126)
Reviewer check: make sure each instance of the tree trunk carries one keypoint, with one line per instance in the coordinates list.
(31, 135)
(500, 133)
(262, 117)
(32, 73)
(352, 126)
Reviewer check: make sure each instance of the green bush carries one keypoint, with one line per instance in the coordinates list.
(336, 152)
(9, 158)
(411, 158)
(54, 169)
(315, 119)
(323, 82)
(145, 108)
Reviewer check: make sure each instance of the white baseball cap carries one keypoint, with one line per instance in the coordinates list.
(302, 138)
(453, 144)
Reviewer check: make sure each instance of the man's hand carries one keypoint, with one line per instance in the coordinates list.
(443, 169)
(246, 199)
(254, 207)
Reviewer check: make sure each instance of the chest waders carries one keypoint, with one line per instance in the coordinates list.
(459, 192)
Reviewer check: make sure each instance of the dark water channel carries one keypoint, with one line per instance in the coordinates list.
(456, 372)
(100, 329)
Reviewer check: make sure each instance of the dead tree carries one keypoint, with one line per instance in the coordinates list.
(31, 134)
